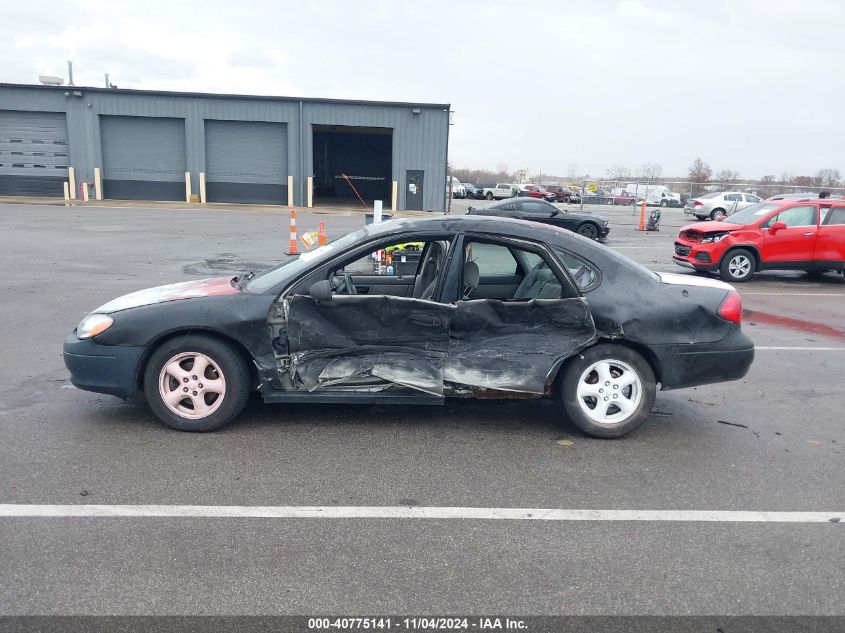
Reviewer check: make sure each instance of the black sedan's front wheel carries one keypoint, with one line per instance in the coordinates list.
(588, 229)
(196, 383)
(607, 390)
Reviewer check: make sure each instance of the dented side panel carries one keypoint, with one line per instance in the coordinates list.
(515, 345)
(368, 342)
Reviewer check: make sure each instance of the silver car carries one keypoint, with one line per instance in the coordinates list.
(718, 204)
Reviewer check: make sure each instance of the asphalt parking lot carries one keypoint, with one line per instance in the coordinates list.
(771, 442)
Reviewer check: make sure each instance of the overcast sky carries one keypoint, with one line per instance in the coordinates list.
(751, 85)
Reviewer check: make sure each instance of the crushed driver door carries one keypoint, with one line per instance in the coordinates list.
(364, 343)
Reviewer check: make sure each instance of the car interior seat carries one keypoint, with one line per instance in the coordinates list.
(426, 281)
(540, 283)
(470, 279)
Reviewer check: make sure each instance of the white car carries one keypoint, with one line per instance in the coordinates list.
(718, 204)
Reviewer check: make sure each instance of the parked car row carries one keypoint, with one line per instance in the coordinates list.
(500, 191)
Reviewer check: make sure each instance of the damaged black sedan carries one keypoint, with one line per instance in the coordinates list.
(413, 311)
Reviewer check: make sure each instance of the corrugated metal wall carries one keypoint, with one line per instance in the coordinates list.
(33, 153)
(246, 161)
(143, 157)
(419, 139)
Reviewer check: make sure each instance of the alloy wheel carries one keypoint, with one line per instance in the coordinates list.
(192, 385)
(609, 391)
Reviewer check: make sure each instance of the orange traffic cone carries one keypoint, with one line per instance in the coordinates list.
(642, 218)
(322, 238)
(293, 249)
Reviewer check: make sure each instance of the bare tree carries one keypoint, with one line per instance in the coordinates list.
(828, 177)
(573, 171)
(650, 171)
(618, 172)
(699, 171)
(766, 186)
(727, 176)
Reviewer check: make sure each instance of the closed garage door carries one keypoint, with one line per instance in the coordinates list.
(33, 153)
(246, 161)
(143, 158)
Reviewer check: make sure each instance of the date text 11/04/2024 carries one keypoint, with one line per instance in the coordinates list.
(417, 623)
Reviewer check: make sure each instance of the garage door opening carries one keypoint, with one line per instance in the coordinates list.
(363, 154)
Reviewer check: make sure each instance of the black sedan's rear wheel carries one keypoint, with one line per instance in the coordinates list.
(608, 390)
(588, 229)
(196, 383)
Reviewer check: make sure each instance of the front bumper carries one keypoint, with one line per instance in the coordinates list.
(695, 364)
(694, 265)
(604, 231)
(110, 369)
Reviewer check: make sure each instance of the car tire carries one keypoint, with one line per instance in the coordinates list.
(582, 379)
(663, 203)
(737, 265)
(588, 229)
(489, 195)
(715, 213)
(174, 361)
(565, 200)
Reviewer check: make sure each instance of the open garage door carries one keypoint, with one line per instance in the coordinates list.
(246, 161)
(364, 154)
(143, 158)
(33, 153)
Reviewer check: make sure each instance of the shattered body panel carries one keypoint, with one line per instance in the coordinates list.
(507, 346)
(515, 345)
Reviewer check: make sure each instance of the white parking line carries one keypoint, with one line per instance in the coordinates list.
(11, 510)
(801, 349)
(793, 294)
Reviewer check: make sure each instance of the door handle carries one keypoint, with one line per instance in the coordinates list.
(809, 234)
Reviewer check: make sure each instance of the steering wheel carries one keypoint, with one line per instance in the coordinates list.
(342, 284)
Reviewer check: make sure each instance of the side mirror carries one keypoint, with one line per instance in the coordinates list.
(777, 226)
(321, 290)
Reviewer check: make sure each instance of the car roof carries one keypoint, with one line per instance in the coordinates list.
(507, 227)
(809, 196)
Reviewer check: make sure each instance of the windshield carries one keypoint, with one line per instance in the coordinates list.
(752, 213)
(266, 279)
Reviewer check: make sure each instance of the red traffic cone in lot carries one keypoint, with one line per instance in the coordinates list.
(293, 249)
(322, 238)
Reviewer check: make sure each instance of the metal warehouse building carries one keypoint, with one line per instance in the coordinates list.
(152, 145)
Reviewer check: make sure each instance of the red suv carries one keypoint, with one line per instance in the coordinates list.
(538, 191)
(806, 234)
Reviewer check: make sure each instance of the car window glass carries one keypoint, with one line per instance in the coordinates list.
(491, 259)
(501, 277)
(751, 198)
(584, 274)
(537, 208)
(837, 216)
(395, 259)
(796, 216)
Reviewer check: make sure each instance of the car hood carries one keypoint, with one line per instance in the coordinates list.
(215, 287)
(710, 227)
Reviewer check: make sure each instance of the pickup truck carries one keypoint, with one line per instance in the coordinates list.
(500, 191)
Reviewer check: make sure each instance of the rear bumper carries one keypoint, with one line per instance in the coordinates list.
(689, 365)
(109, 369)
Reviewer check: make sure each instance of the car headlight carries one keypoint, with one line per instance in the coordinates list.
(714, 238)
(93, 324)
(605, 222)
